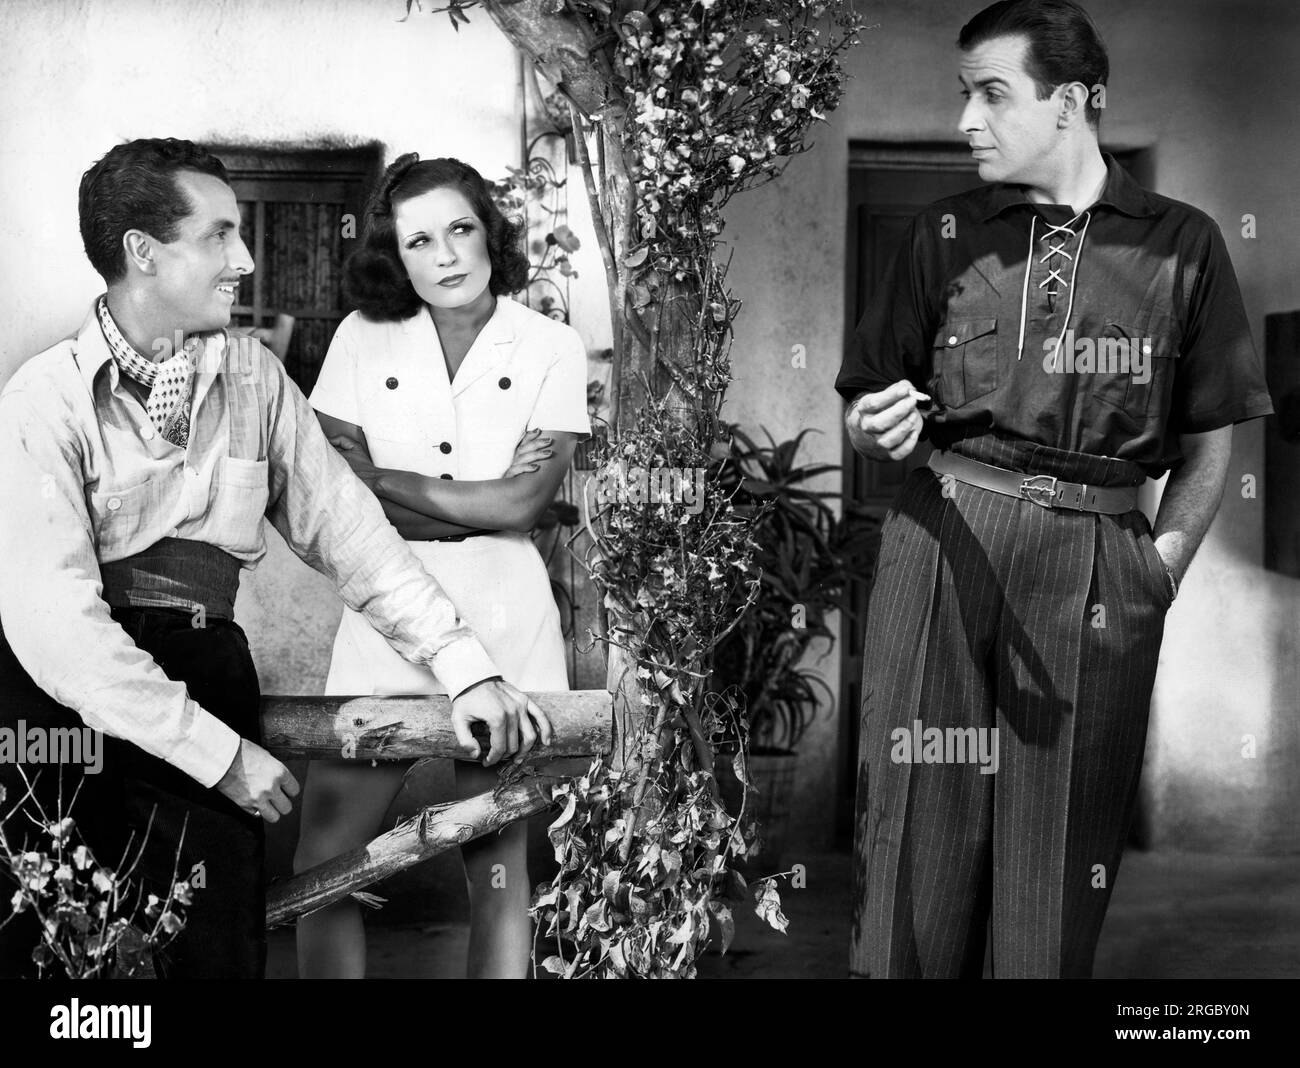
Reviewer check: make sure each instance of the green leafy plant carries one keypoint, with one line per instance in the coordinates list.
(805, 555)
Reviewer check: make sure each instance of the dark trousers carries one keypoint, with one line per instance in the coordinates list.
(189, 832)
(992, 612)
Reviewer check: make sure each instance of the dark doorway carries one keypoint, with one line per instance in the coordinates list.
(888, 184)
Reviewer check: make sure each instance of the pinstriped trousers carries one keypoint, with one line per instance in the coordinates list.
(992, 612)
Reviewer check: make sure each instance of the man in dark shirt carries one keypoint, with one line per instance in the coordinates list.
(1059, 336)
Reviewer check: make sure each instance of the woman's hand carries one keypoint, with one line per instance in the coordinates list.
(532, 449)
(358, 459)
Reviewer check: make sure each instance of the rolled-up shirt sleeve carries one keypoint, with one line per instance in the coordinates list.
(54, 614)
(337, 526)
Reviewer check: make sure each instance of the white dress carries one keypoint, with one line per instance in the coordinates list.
(524, 371)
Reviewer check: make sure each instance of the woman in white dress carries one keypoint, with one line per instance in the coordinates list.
(428, 390)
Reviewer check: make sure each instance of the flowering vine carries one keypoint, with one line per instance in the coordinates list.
(676, 107)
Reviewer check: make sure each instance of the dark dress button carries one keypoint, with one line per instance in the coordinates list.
(444, 476)
(504, 383)
(391, 383)
(445, 446)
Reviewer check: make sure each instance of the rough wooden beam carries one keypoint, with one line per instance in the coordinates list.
(406, 727)
(426, 834)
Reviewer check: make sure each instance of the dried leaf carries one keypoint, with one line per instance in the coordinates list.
(768, 907)
(726, 921)
(570, 807)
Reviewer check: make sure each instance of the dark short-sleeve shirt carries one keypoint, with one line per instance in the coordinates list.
(1108, 332)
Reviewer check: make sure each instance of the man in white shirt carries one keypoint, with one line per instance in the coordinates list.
(137, 460)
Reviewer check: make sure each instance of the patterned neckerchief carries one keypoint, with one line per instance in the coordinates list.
(168, 382)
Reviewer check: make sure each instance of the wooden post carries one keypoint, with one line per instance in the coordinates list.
(406, 727)
(426, 834)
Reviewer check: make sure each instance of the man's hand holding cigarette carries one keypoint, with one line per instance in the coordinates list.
(886, 425)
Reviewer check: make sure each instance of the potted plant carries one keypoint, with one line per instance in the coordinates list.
(806, 553)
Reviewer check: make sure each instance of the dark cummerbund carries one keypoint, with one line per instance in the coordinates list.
(174, 573)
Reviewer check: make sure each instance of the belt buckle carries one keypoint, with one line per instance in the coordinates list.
(1040, 489)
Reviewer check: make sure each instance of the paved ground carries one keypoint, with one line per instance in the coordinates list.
(1173, 915)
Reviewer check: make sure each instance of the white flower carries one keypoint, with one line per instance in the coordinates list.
(736, 163)
(60, 831)
(781, 77)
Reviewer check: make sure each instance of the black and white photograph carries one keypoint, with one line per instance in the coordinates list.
(720, 489)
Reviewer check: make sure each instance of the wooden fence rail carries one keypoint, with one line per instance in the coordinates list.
(407, 727)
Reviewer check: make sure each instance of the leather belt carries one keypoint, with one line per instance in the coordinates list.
(1047, 491)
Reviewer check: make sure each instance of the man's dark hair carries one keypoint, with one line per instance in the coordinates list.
(134, 188)
(375, 279)
(1063, 44)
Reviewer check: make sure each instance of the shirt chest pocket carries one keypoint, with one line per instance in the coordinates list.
(239, 498)
(122, 518)
(1132, 368)
(966, 360)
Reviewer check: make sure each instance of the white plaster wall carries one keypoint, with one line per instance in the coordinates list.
(1210, 85)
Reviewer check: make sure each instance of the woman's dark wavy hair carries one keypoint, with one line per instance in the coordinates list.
(376, 282)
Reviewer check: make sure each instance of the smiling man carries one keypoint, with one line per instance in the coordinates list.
(1018, 587)
(134, 479)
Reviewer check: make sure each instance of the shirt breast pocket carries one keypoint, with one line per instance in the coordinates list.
(1134, 368)
(240, 493)
(966, 358)
(121, 518)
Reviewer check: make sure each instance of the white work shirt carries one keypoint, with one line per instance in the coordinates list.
(523, 371)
